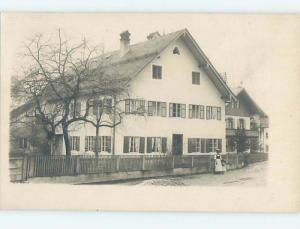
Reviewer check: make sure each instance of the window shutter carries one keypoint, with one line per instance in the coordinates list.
(164, 145)
(126, 144)
(170, 109)
(189, 145)
(149, 145)
(164, 109)
(86, 143)
(183, 110)
(207, 144)
(77, 143)
(203, 145)
(142, 145)
(190, 110)
(108, 142)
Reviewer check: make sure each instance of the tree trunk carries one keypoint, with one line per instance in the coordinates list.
(97, 143)
(67, 141)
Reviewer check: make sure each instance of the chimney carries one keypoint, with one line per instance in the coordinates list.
(124, 42)
(153, 35)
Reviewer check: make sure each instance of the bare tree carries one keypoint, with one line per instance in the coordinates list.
(52, 81)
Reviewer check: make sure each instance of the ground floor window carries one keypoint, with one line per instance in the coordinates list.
(156, 145)
(75, 142)
(134, 144)
(201, 145)
(104, 143)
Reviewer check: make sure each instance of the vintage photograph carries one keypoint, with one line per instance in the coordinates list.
(121, 105)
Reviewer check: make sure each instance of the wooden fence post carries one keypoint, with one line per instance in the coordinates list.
(118, 163)
(77, 169)
(143, 162)
(24, 168)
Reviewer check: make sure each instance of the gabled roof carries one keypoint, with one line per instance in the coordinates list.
(241, 93)
(143, 53)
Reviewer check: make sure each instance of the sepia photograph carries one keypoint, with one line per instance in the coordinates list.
(144, 101)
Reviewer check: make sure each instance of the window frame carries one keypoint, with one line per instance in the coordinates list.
(156, 72)
(196, 78)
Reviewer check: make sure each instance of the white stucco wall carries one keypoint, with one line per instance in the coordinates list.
(174, 87)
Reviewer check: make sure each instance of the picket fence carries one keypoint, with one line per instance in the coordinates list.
(61, 165)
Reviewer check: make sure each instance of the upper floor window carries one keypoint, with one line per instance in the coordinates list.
(100, 106)
(213, 112)
(196, 78)
(156, 72)
(157, 108)
(196, 111)
(177, 110)
(75, 109)
(135, 106)
(229, 123)
(241, 124)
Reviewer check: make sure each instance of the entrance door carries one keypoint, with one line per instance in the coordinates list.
(177, 144)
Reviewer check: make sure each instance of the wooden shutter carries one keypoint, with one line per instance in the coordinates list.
(189, 145)
(77, 143)
(170, 109)
(86, 143)
(149, 145)
(142, 145)
(164, 145)
(108, 142)
(183, 110)
(203, 145)
(207, 144)
(190, 110)
(126, 144)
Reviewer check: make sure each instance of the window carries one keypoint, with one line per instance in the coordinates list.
(135, 106)
(196, 78)
(196, 111)
(75, 142)
(201, 145)
(134, 144)
(229, 123)
(156, 145)
(213, 144)
(230, 145)
(105, 144)
(99, 106)
(213, 113)
(90, 143)
(23, 143)
(75, 110)
(177, 110)
(267, 135)
(157, 108)
(156, 72)
(241, 124)
(176, 51)
(194, 145)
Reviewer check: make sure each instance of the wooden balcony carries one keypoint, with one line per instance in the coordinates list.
(248, 133)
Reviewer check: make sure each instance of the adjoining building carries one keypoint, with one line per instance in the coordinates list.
(183, 98)
(244, 114)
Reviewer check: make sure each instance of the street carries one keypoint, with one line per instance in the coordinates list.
(253, 175)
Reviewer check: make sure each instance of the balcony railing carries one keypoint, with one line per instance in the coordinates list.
(248, 133)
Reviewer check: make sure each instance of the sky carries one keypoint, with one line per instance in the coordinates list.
(254, 50)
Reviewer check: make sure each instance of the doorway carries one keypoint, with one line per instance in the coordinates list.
(177, 144)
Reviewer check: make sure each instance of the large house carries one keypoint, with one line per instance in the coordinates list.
(183, 97)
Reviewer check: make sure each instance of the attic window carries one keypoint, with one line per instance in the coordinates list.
(176, 51)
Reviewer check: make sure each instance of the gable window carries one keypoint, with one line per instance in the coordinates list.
(74, 142)
(135, 106)
(196, 78)
(177, 110)
(157, 108)
(176, 51)
(196, 111)
(134, 144)
(156, 72)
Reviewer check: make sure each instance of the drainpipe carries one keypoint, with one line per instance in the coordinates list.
(114, 128)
